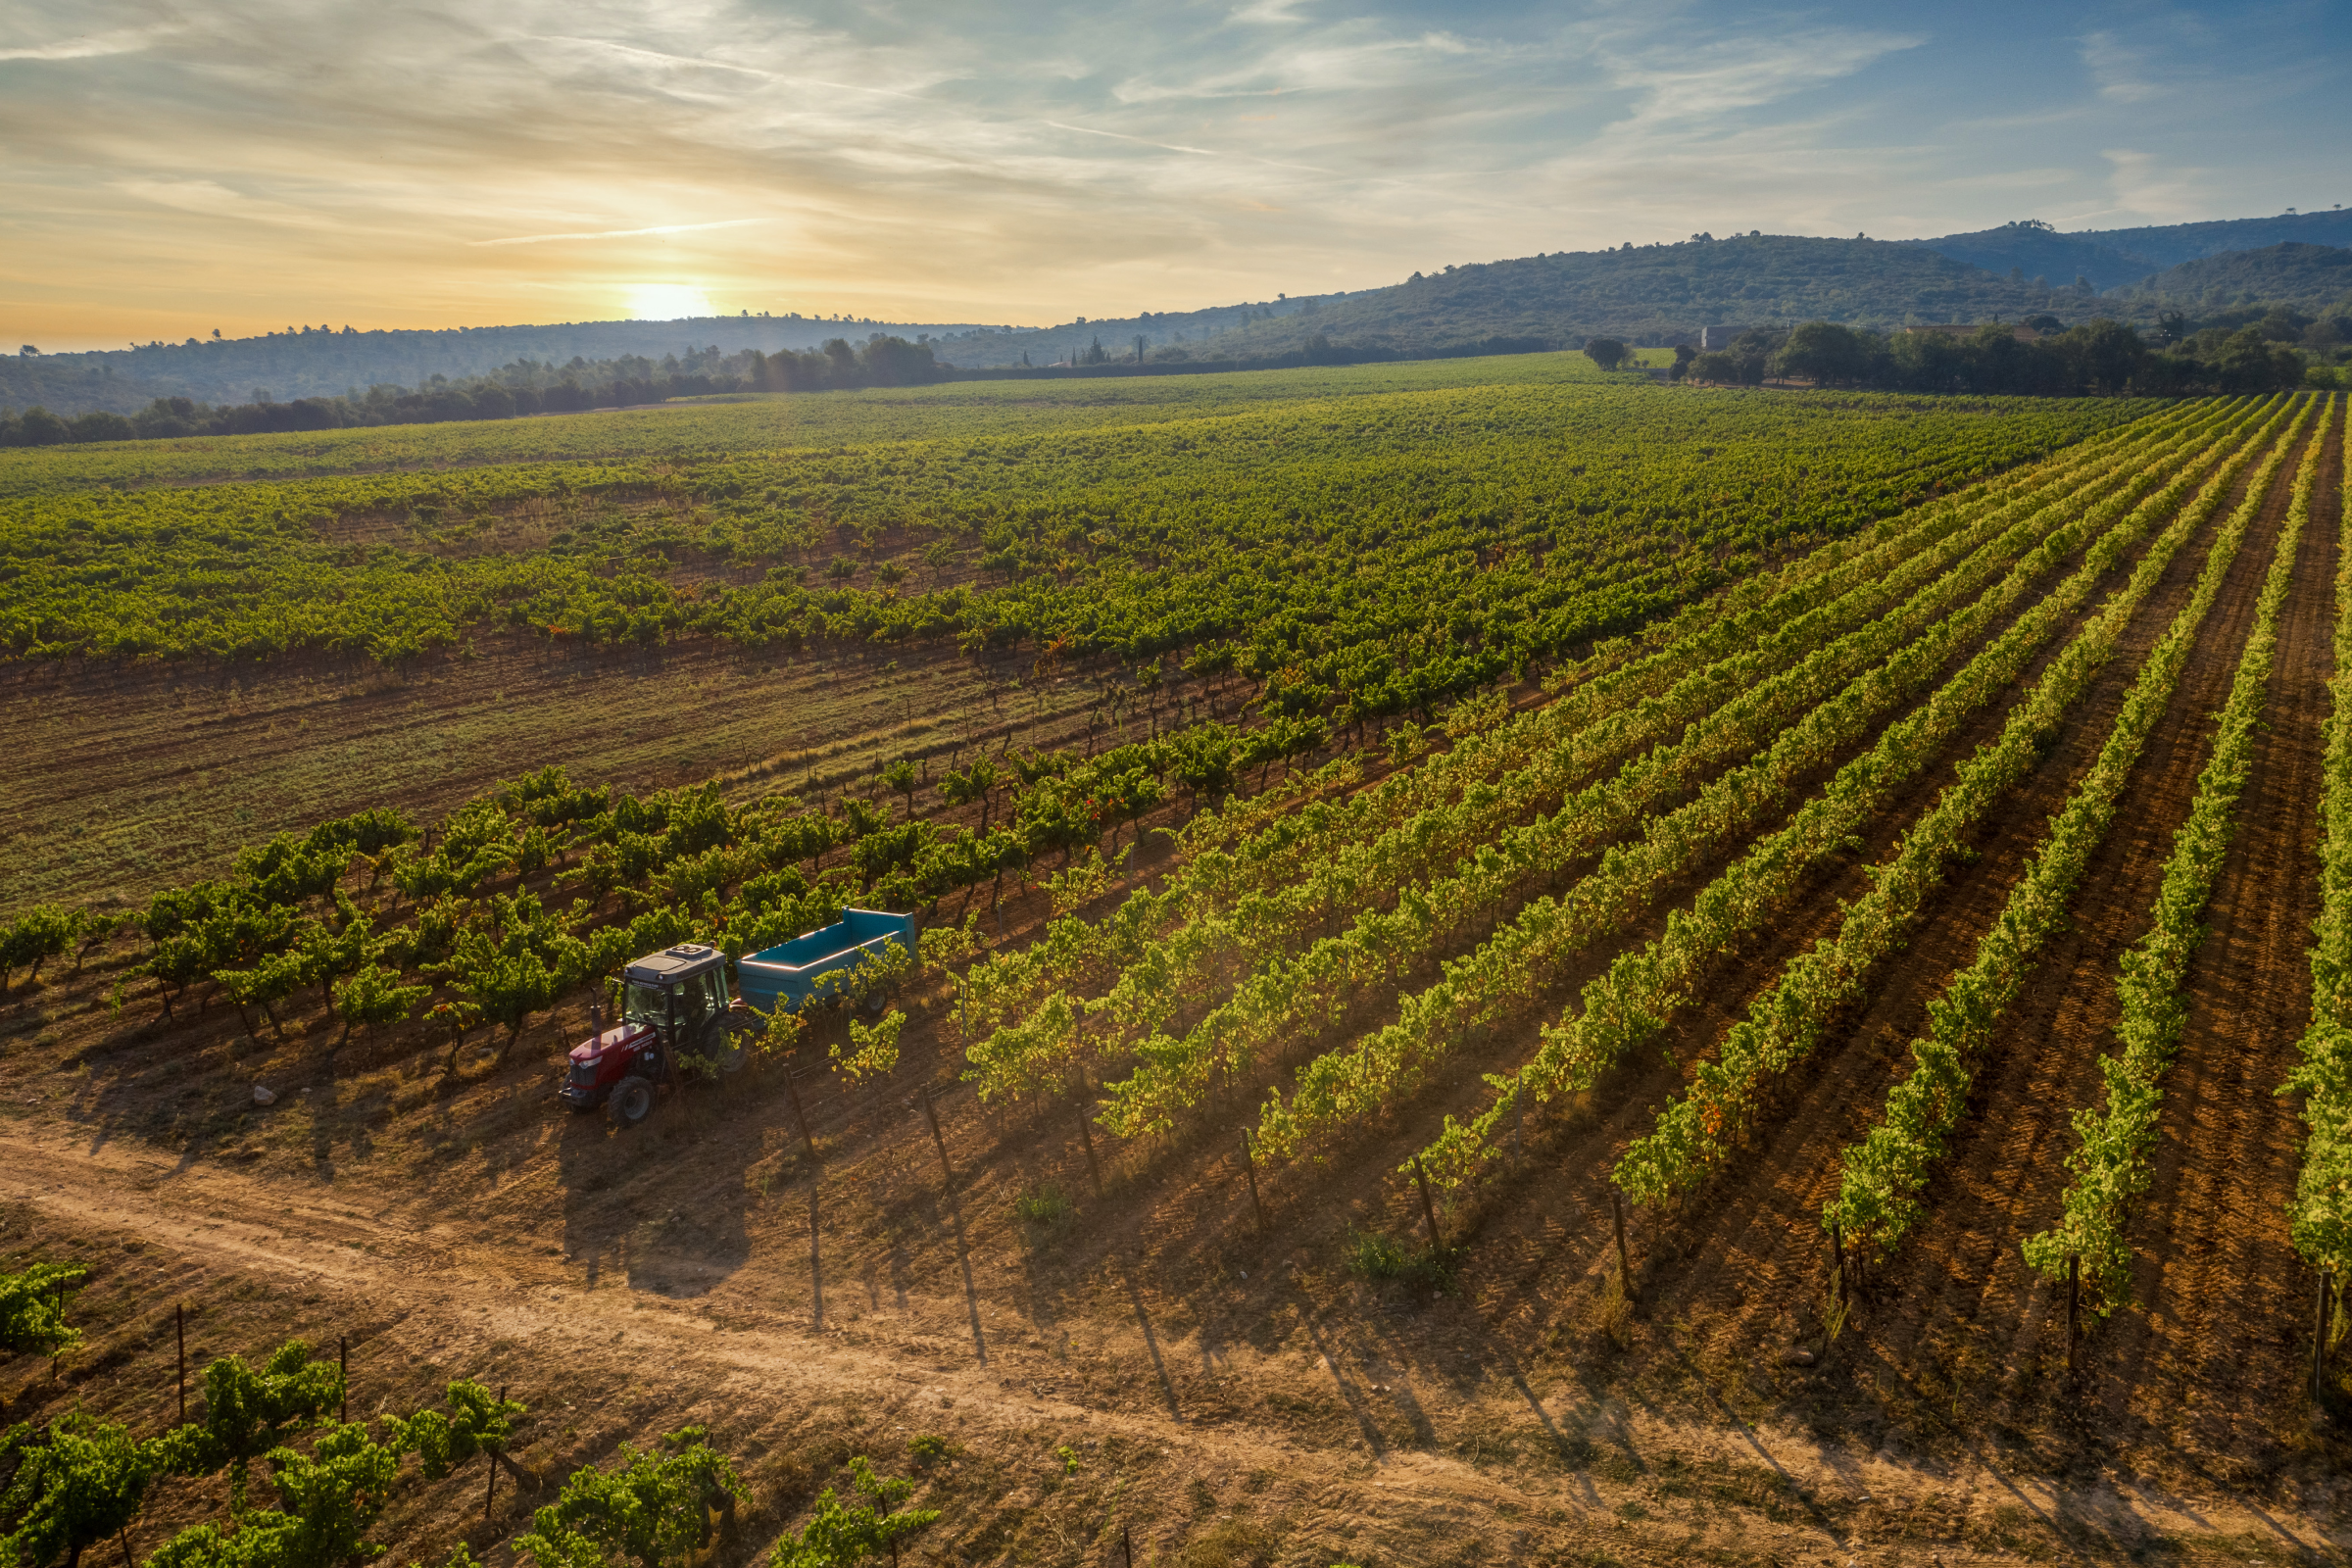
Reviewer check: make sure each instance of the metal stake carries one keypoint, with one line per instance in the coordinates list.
(343, 1371)
(179, 1332)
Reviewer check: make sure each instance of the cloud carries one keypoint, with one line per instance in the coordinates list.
(619, 233)
(92, 46)
(326, 157)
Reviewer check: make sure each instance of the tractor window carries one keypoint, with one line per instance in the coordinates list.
(643, 1003)
(695, 1004)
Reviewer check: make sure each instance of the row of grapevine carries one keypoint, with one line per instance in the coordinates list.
(2111, 1165)
(1289, 1000)
(1419, 545)
(1367, 850)
(2319, 1215)
(1881, 1174)
(1700, 1128)
(1257, 844)
(1635, 998)
(1728, 709)
(78, 1482)
(1696, 1130)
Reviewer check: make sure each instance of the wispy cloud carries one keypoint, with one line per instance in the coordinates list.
(329, 158)
(620, 233)
(92, 45)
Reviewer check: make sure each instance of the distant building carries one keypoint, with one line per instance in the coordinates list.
(1717, 337)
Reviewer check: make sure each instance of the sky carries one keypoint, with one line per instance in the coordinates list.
(166, 170)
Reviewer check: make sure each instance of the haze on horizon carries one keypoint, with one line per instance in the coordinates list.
(174, 169)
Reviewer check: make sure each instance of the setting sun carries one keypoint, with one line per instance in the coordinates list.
(668, 302)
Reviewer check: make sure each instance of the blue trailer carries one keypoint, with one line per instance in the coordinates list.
(787, 974)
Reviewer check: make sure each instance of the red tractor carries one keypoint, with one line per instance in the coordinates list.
(674, 1004)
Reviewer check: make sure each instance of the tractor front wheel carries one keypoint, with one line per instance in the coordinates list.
(631, 1102)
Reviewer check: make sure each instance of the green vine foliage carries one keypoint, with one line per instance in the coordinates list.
(248, 1413)
(74, 1484)
(654, 1510)
(843, 1532)
(478, 1422)
(32, 1313)
(329, 1499)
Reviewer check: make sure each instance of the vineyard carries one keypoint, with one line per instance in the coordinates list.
(1494, 939)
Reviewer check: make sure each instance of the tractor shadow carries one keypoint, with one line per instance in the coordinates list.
(663, 1207)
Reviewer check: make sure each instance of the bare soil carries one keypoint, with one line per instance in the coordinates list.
(1145, 1363)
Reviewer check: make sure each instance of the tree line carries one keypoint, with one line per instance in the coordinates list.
(2096, 359)
(525, 387)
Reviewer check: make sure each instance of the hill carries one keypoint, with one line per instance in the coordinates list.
(1649, 293)
(2306, 278)
(324, 361)
(2113, 257)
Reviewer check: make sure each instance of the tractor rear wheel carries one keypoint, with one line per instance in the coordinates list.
(631, 1102)
(732, 1050)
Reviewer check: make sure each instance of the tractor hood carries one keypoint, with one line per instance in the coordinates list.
(620, 1037)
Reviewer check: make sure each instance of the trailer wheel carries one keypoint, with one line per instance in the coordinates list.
(631, 1102)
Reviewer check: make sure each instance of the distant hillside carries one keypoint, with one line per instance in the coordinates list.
(2308, 278)
(1654, 293)
(323, 362)
(2113, 257)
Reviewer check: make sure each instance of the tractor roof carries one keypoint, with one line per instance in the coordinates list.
(673, 964)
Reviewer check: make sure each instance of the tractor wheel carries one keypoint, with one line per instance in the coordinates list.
(733, 1051)
(631, 1102)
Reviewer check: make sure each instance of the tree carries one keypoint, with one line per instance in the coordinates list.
(1826, 354)
(1606, 352)
(842, 1535)
(651, 1511)
(75, 1483)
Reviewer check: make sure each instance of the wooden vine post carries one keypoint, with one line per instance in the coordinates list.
(1429, 1210)
(2319, 1337)
(1086, 1135)
(2073, 1305)
(1837, 1256)
(179, 1334)
(1625, 1265)
(342, 1378)
(938, 1141)
(490, 1453)
(800, 1116)
(1250, 1169)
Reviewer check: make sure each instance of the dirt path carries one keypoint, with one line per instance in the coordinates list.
(609, 1360)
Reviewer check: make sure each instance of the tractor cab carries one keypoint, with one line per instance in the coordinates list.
(673, 1004)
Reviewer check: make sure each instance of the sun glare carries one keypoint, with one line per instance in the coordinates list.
(668, 302)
